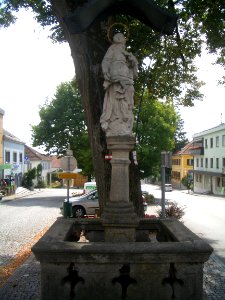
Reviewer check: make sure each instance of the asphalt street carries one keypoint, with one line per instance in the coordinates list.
(204, 215)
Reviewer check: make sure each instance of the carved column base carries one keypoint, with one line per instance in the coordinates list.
(120, 222)
(119, 219)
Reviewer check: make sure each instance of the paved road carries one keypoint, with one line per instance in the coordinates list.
(204, 215)
(21, 220)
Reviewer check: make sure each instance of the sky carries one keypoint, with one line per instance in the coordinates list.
(209, 112)
(31, 67)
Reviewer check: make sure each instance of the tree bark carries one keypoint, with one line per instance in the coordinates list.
(88, 50)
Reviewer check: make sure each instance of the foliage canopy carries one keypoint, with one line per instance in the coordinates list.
(62, 124)
(172, 68)
(166, 63)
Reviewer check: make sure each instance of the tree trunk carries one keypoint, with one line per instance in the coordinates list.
(88, 50)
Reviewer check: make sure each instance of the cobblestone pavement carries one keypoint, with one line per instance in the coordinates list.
(24, 284)
(214, 279)
(22, 219)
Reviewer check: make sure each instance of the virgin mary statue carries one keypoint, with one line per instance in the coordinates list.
(119, 69)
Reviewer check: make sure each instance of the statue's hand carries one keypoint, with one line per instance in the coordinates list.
(107, 76)
(104, 125)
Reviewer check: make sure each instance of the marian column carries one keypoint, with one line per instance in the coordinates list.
(119, 69)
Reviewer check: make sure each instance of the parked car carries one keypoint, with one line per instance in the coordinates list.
(87, 204)
(168, 187)
(84, 205)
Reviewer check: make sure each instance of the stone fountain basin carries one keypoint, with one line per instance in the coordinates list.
(166, 261)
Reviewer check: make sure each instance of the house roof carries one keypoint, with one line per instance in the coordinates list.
(210, 130)
(35, 155)
(56, 162)
(7, 136)
(186, 150)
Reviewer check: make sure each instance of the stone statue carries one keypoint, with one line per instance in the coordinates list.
(119, 69)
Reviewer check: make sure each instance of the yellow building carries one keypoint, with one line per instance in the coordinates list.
(1, 135)
(182, 165)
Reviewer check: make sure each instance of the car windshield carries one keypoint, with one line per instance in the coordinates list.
(93, 192)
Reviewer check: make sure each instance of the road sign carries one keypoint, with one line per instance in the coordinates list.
(5, 167)
(67, 175)
(68, 163)
(108, 157)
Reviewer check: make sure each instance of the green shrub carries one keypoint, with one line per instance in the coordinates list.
(173, 211)
(27, 180)
(41, 184)
(56, 184)
(149, 198)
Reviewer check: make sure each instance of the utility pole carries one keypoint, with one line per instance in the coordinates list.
(165, 163)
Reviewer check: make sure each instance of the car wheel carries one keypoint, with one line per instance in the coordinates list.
(78, 212)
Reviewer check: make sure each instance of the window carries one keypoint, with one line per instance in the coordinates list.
(201, 162)
(190, 162)
(211, 162)
(217, 141)
(176, 162)
(198, 177)
(211, 142)
(217, 163)
(206, 143)
(176, 175)
(223, 140)
(14, 157)
(223, 182)
(206, 163)
(7, 157)
(223, 162)
(21, 157)
(217, 181)
(197, 162)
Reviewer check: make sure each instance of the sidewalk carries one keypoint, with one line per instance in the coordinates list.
(20, 193)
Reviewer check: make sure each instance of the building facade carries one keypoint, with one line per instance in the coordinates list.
(1, 135)
(13, 158)
(182, 165)
(209, 161)
(33, 158)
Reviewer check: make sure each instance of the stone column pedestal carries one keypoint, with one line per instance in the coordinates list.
(119, 219)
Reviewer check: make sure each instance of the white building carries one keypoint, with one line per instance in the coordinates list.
(13, 157)
(33, 158)
(209, 161)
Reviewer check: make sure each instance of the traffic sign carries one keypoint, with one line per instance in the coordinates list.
(68, 163)
(67, 175)
(108, 157)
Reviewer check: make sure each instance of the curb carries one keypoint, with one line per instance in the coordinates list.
(19, 196)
